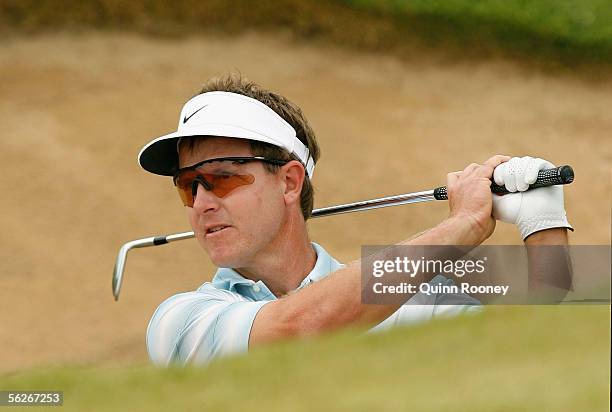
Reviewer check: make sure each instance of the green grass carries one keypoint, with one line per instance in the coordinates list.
(507, 359)
(578, 29)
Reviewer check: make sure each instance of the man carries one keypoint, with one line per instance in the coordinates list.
(242, 161)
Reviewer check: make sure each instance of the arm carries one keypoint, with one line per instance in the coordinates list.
(335, 301)
(541, 219)
(550, 267)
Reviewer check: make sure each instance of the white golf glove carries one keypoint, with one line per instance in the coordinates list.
(533, 210)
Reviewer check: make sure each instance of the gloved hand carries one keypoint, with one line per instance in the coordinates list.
(533, 210)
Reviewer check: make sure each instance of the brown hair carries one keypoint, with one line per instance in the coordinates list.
(290, 112)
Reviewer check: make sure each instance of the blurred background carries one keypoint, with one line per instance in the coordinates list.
(399, 93)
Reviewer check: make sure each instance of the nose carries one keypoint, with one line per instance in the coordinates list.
(204, 200)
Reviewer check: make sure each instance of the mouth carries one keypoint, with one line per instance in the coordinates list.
(216, 230)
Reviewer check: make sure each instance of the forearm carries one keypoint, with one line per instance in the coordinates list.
(336, 302)
(556, 236)
(550, 268)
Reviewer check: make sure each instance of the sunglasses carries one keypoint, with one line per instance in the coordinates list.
(219, 176)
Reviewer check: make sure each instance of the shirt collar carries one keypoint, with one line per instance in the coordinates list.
(230, 280)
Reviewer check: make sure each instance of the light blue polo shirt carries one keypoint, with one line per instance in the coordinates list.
(216, 319)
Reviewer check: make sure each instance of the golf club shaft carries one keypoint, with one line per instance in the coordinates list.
(326, 211)
(550, 177)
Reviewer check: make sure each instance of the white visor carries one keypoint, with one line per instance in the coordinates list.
(228, 115)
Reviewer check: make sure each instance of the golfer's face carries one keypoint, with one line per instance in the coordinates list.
(240, 226)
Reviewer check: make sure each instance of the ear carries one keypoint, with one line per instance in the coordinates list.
(293, 175)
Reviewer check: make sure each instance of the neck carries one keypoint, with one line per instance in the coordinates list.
(288, 259)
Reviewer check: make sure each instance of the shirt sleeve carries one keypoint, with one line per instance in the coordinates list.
(422, 308)
(195, 327)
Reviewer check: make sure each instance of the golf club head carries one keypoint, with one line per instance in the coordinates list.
(118, 270)
(121, 259)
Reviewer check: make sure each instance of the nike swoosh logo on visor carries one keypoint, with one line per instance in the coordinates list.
(186, 118)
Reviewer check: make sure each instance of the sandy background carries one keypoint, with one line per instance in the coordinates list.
(76, 109)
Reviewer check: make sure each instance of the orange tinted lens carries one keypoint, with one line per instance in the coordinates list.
(183, 185)
(221, 184)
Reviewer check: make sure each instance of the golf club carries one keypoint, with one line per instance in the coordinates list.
(557, 176)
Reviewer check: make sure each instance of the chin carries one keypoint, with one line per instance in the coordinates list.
(225, 258)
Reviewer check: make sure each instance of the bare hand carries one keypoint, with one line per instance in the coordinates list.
(469, 195)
